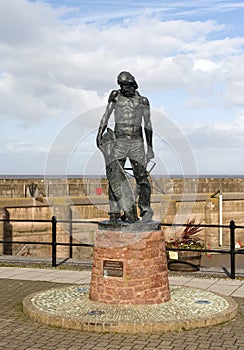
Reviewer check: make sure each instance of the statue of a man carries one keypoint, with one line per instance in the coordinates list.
(131, 111)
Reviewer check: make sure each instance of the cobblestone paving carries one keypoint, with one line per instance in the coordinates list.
(18, 332)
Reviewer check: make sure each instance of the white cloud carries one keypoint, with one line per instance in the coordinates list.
(52, 70)
(205, 65)
(218, 147)
(218, 135)
(24, 147)
(23, 22)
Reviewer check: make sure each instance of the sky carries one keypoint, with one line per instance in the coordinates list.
(60, 60)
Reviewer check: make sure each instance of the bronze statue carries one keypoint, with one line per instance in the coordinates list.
(131, 110)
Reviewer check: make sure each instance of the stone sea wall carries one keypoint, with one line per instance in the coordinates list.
(20, 188)
(173, 201)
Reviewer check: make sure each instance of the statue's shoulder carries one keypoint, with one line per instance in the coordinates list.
(113, 96)
(144, 100)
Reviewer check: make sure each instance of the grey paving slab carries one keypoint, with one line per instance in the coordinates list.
(223, 289)
(83, 281)
(55, 277)
(10, 272)
(227, 286)
(239, 293)
(25, 277)
(201, 283)
(175, 280)
(230, 282)
(64, 279)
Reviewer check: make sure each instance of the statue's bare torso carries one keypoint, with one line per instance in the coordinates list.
(128, 110)
(129, 113)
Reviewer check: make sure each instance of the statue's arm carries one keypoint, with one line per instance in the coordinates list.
(148, 128)
(106, 116)
(104, 123)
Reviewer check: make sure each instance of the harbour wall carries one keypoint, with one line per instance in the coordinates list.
(173, 201)
(20, 188)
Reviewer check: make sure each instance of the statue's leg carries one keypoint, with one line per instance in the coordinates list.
(143, 185)
(127, 202)
(114, 205)
(144, 188)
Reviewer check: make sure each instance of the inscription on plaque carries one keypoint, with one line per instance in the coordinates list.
(112, 268)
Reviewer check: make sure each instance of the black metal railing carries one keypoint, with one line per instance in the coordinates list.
(232, 251)
(54, 243)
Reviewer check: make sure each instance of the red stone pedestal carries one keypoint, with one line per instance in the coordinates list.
(129, 268)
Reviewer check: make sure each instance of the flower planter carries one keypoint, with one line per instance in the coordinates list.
(187, 261)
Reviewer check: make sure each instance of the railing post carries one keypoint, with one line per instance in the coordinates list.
(70, 233)
(232, 250)
(54, 241)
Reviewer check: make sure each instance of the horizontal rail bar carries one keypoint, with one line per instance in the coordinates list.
(25, 220)
(220, 251)
(24, 242)
(46, 220)
(75, 244)
(79, 221)
(97, 221)
(201, 225)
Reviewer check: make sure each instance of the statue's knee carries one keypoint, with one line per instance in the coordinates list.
(142, 180)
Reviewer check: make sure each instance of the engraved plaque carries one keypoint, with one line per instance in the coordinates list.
(112, 268)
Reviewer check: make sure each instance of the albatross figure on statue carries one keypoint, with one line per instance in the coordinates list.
(131, 111)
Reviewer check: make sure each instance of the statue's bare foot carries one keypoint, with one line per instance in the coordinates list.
(114, 217)
(129, 216)
(147, 215)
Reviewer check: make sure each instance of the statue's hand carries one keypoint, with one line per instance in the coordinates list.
(150, 154)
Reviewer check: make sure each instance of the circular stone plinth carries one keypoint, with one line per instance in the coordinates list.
(70, 307)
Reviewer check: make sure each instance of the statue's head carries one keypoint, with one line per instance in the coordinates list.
(127, 84)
